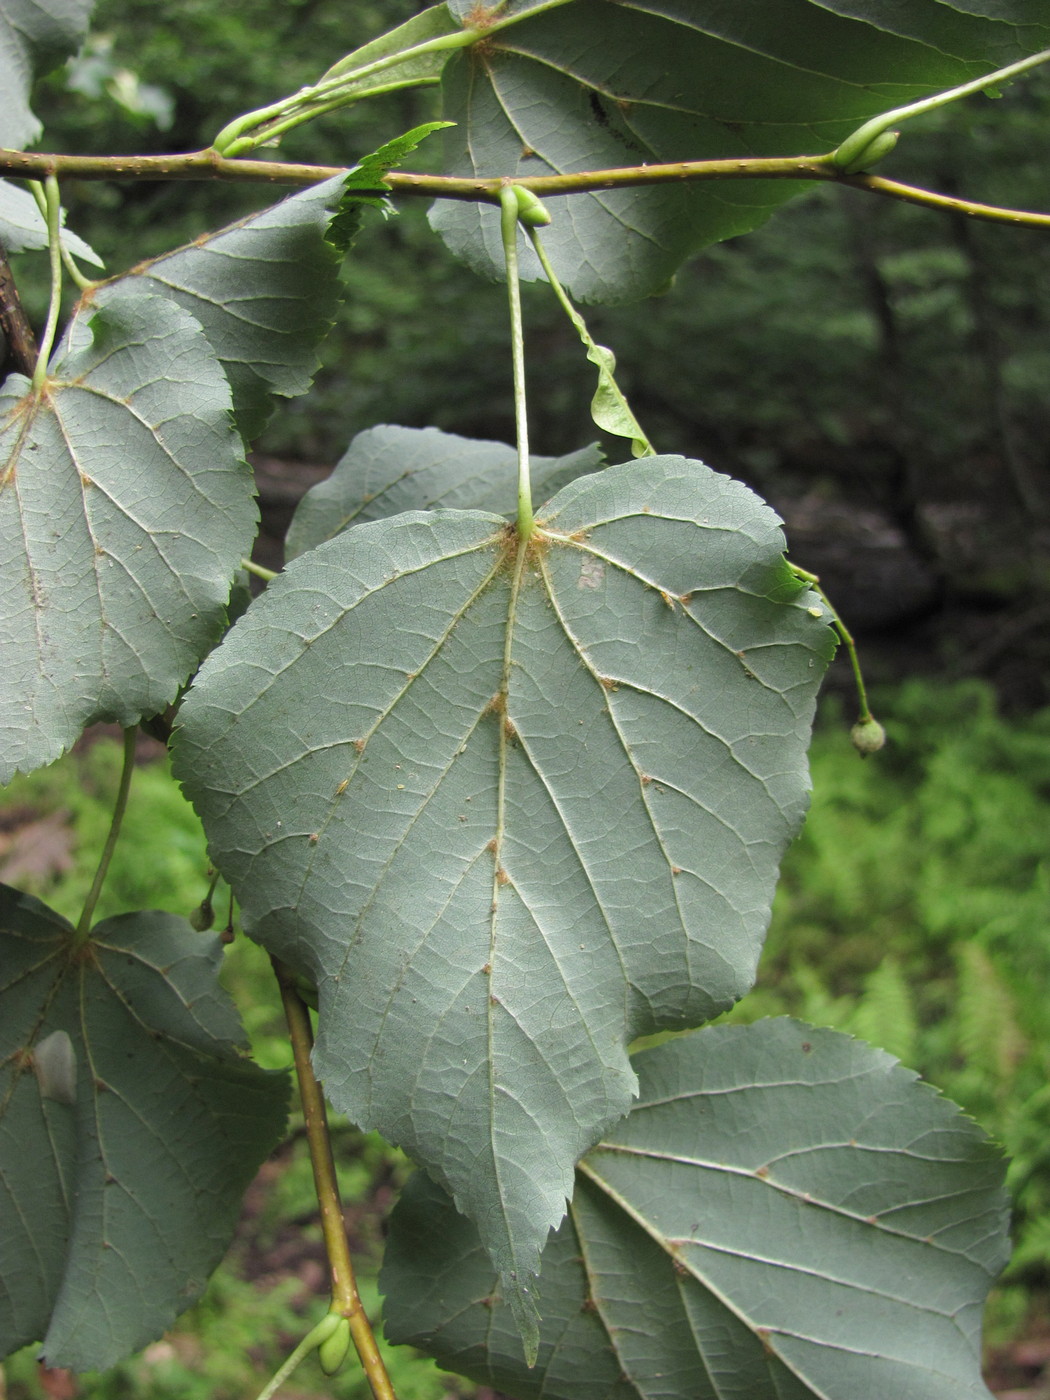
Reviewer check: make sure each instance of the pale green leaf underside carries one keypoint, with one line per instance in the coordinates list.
(388, 470)
(130, 1126)
(511, 812)
(125, 506)
(786, 1214)
(22, 226)
(592, 85)
(35, 36)
(431, 24)
(265, 292)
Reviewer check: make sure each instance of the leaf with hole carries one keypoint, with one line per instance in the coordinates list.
(130, 1126)
(510, 806)
(387, 470)
(786, 1214)
(125, 507)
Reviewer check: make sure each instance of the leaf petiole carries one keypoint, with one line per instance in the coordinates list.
(119, 808)
(80, 280)
(53, 214)
(311, 1342)
(510, 212)
(866, 145)
(259, 570)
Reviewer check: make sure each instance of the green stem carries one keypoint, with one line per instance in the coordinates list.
(509, 209)
(346, 1301)
(598, 355)
(854, 146)
(210, 165)
(309, 1343)
(845, 634)
(53, 214)
(79, 279)
(119, 808)
(277, 126)
(252, 128)
(81, 282)
(341, 87)
(251, 567)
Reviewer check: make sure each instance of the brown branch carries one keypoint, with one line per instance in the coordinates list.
(21, 342)
(912, 194)
(208, 165)
(345, 1298)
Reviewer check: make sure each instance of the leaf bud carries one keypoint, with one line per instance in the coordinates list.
(868, 736)
(869, 155)
(530, 211)
(333, 1349)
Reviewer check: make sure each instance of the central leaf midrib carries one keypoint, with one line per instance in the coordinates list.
(521, 557)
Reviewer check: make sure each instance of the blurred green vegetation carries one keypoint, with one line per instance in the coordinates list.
(914, 911)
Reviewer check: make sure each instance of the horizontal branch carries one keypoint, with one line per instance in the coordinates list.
(196, 165)
(209, 165)
(912, 194)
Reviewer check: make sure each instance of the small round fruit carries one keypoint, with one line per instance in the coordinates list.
(868, 736)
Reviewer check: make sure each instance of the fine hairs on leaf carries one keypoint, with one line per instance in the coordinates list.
(500, 767)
